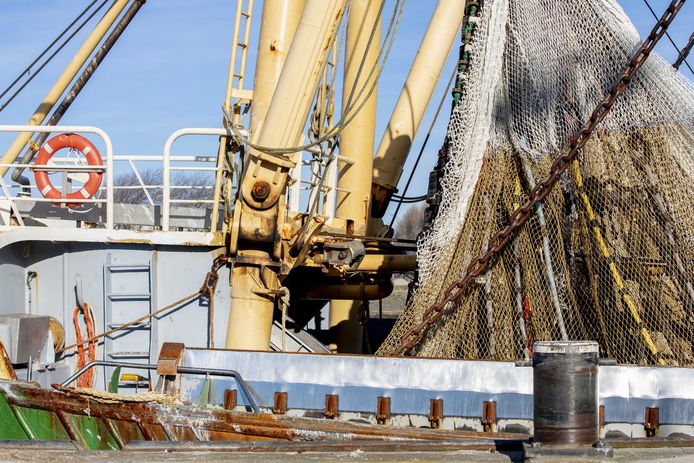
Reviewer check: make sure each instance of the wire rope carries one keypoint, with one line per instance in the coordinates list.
(684, 53)
(679, 52)
(28, 68)
(350, 112)
(48, 60)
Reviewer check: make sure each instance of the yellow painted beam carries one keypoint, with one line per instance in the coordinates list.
(63, 81)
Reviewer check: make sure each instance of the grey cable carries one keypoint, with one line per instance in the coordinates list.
(45, 50)
(679, 52)
(345, 120)
(31, 77)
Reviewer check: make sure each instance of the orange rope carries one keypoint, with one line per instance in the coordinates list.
(87, 379)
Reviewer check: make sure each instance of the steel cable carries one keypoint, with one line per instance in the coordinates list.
(684, 53)
(350, 112)
(679, 52)
(45, 50)
(32, 76)
(403, 199)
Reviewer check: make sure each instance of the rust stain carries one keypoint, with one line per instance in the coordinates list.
(152, 431)
(132, 421)
(126, 431)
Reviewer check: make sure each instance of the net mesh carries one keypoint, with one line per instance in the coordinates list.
(608, 255)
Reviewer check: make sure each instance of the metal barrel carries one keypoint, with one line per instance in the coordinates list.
(565, 393)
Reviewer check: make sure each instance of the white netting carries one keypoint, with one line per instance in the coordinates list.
(609, 255)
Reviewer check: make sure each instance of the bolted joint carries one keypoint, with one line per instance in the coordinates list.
(260, 190)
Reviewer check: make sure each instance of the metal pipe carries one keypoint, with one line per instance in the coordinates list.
(351, 292)
(278, 24)
(49, 200)
(63, 81)
(356, 143)
(388, 263)
(265, 175)
(80, 83)
(413, 101)
(179, 370)
(291, 101)
(548, 258)
(384, 263)
(517, 277)
(252, 306)
(565, 393)
(166, 168)
(357, 139)
(29, 129)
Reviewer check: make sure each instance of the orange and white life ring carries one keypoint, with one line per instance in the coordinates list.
(55, 144)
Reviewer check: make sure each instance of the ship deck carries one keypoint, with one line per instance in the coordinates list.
(65, 452)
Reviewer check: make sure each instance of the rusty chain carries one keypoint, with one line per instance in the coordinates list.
(538, 194)
(207, 293)
(682, 57)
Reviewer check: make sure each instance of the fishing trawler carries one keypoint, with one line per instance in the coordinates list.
(552, 307)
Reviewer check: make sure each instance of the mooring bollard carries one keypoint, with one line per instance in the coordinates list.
(565, 398)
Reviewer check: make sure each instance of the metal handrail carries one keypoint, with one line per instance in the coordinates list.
(78, 129)
(166, 199)
(181, 369)
(329, 188)
(166, 159)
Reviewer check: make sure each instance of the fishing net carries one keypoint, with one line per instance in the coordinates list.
(609, 255)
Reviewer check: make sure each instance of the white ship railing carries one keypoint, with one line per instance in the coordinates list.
(73, 129)
(326, 189)
(166, 198)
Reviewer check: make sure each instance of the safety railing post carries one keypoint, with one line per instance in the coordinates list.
(166, 193)
(79, 129)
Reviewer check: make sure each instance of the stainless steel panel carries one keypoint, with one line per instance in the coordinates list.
(28, 335)
(412, 382)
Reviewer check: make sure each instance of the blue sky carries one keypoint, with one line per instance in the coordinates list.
(169, 68)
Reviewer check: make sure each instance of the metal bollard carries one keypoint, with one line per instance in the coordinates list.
(280, 406)
(230, 399)
(332, 406)
(565, 397)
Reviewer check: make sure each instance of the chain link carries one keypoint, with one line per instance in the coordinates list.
(207, 293)
(538, 194)
(682, 57)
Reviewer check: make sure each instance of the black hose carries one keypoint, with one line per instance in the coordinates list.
(421, 151)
